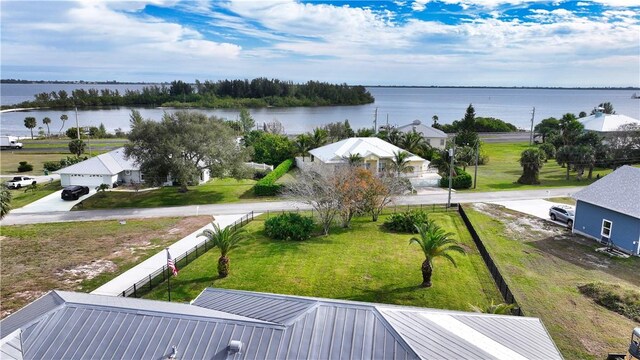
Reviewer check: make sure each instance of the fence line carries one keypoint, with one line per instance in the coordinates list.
(491, 265)
(159, 276)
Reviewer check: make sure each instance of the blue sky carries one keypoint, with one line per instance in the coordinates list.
(402, 42)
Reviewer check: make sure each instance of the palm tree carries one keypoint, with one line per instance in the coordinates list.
(435, 120)
(319, 137)
(30, 122)
(442, 161)
(225, 239)
(303, 144)
(498, 309)
(400, 162)
(354, 159)
(392, 135)
(5, 201)
(412, 141)
(434, 242)
(531, 161)
(64, 118)
(47, 121)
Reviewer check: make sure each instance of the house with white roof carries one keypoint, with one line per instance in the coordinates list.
(434, 137)
(606, 123)
(109, 168)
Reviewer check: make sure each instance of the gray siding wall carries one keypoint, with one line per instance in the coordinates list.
(625, 230)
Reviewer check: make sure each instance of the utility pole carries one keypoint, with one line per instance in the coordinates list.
(533, 115)
(77, 123)
(375, 122)
(451, 154)
(475, 174)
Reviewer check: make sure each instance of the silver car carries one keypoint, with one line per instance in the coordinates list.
(565, 214)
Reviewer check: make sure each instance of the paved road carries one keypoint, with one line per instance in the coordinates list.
(242, 208)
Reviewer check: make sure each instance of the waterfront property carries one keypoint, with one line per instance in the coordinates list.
(434, 137)
(606, 123)
(239, 324)
(109, 168)
(609, 210)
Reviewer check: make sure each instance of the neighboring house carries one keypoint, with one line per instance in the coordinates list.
(109, 168)
(434, 137)
(232, 324)
(609, 210)
(606, 123)
(376, 153)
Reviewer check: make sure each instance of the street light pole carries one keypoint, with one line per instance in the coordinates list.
(451, 153)
(475, 173)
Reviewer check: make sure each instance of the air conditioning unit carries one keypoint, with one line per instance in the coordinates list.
(127, 172)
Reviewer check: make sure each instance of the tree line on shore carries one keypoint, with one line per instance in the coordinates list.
(260, 92)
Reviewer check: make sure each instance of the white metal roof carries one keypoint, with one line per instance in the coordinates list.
(111, 163)
(426, 131)
(606, 122)
(364, 146)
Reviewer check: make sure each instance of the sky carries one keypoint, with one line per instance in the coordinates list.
(401, 42)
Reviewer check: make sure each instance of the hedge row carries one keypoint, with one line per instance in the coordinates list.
(462, 181)
(267, 185)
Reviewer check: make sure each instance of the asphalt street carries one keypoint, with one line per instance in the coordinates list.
(270, 206)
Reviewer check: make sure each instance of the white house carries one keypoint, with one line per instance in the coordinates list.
(604, 123)
(434, 137)
(376, 154)
(109, 168)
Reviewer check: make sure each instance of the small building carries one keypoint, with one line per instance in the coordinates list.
(606, 123)
(232, 324)
(609, 210)
(434, 137)
(109, 168)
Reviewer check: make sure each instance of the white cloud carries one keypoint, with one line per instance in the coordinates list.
(419, 5)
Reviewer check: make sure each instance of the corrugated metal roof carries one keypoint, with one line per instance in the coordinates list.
(427, 131)
(602, 122)
(11, 346)
(618, 191)
(27, 314)
(364, 146)
(111, 163)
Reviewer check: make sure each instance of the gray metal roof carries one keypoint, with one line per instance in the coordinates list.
(65, 325)
(618, 191)
(427, 131)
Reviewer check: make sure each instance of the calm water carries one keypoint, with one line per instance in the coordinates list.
(399, 105)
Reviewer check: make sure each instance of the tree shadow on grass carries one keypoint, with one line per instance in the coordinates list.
(384, 294)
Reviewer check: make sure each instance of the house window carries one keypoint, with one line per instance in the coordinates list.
(381, 166)
(367, 165)
(141, 176)
(429, 141)
(441, 142)
(606, 228)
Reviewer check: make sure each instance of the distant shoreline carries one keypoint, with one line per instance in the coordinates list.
(67, 82)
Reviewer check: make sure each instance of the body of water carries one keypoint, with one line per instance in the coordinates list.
(398, 106)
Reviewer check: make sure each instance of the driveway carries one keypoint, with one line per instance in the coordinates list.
(50, 203)
(537, 207)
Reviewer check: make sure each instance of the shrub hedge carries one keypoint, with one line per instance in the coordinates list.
(267, 185)
(462, 181)
(24, 166)
(289, 226)
(405, 221)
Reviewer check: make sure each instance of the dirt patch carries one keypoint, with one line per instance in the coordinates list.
(86, 271)
(520, 226)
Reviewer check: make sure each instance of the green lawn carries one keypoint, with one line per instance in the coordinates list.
(20, 197)
(9, 161)
(543, 265)
(216, 191)
(503, 170)
(363, 263)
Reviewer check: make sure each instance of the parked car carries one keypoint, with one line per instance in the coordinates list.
(565, 214)
(19, 181)
(74, 192)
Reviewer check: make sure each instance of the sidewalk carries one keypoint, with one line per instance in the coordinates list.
(116, 286)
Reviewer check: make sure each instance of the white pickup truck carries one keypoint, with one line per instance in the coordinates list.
(19, 181)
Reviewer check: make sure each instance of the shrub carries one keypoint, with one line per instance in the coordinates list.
(549, 150)
(405, 221)
(259, 174)
(289, 226)
(614, 297)
(24, 166)
(463, 180)
(267, 185)
(52, 165)
(57, 165)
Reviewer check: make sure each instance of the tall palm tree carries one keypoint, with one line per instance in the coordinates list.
(391, 135)
(498, 309)
(224, 239)
(319, 137)
(30, 123)
(531, 161)
(412, 141)
(400, 163)
(434, 242)
(47, 121)
(5, 201)
(303, 144)
(64, 118)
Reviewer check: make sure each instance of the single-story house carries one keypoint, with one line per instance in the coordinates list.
(109, 168)
(376, 154)
(609, 210)
(232, 324)
(434, 137)
(606, 123)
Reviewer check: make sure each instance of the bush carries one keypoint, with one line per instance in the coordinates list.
(462, 181)
(287, 226)
(405, 221)
(259, 174)
(622, 300)
(549, 150)
(267, 185)
(52, 166)
(57, 165)
(24, 166)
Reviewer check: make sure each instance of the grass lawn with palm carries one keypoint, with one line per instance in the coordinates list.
(23, 196)
(216, 191)
(503, 170)
(364, 263)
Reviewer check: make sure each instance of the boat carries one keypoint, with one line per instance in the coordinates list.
(635, 96)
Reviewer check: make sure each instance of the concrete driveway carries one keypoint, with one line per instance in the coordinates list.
(50, 203)
(538, 208)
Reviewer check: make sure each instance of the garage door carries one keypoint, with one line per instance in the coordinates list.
(86, 180)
